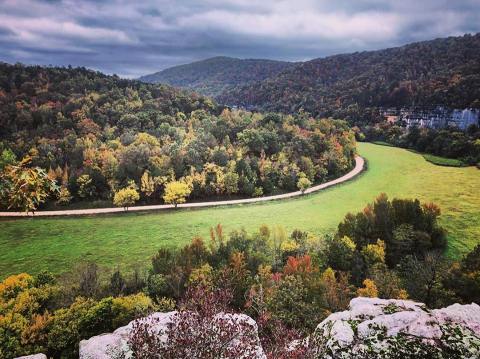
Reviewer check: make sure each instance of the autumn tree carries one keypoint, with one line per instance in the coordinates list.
(176, 192)
(126, 197)
(147, 184)
(86, 187)
(303, 184)
(64, 196)
(25, 188)
(337, 290)
(231, 182)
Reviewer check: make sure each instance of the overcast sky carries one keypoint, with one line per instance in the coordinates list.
(133, 38)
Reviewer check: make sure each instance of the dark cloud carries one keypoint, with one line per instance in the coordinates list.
(132, 38)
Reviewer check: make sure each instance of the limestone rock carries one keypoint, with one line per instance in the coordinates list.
(380, 328)
(110, 345)
(34, 356)
(115, 345)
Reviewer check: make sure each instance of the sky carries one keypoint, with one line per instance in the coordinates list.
(134, 38)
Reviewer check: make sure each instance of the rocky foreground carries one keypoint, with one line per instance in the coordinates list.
(371, 328)
(379, 328)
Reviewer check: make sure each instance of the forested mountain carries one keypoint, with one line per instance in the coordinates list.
(442, 71)
(98, 134)
(217, 75)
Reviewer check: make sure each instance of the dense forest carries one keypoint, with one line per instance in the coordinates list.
(443, 71)
(352, 86)
(287, 282)
(214, 76)
(96, 135)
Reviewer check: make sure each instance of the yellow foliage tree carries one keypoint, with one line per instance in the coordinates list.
(25, 188)
(374, 253)
(176, 192)
(126, 197)
(147, 184)
(303, 184)
(337, 292)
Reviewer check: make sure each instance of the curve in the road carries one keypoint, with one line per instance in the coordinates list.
(359, 166)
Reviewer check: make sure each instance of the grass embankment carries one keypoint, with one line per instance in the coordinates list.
(126, 240)
(383, 143)
(443, 161)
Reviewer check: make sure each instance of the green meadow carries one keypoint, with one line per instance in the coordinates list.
(129, 240)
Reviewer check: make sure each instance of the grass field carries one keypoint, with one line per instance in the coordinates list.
(126, 240)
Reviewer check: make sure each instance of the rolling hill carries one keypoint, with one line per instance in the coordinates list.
(217, 75)
(443, 71)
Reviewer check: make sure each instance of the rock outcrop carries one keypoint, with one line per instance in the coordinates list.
(371, 328)
(33, 356)
(115, 345)
(379, 328)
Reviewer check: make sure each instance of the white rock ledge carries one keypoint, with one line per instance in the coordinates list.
(372, 327)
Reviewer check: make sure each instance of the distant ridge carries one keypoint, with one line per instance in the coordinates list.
(444, 72)
(217, 75)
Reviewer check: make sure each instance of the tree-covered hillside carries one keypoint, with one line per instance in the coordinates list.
(101, 137)
(443, 71)
(217, 75)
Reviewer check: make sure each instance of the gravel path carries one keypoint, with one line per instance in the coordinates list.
(359, 166)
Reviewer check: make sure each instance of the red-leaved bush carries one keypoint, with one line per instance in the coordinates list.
(203, 328)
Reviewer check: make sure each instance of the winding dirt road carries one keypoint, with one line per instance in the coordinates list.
(359, 166)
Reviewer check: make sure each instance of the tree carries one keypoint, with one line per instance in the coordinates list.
(387, 281)
(147, 184)
(86, 187)
(303, 184)
(374, 253)
(89, 282)
(176, 192)
(231, 182)
(337, 291)
(423, 279)
(126, 197)
(25, 188)
(340, 252)
(464, 277)
(64, 196)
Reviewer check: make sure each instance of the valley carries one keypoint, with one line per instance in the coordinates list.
(285, 165)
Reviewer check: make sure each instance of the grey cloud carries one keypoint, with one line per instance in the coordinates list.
(132, 38)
